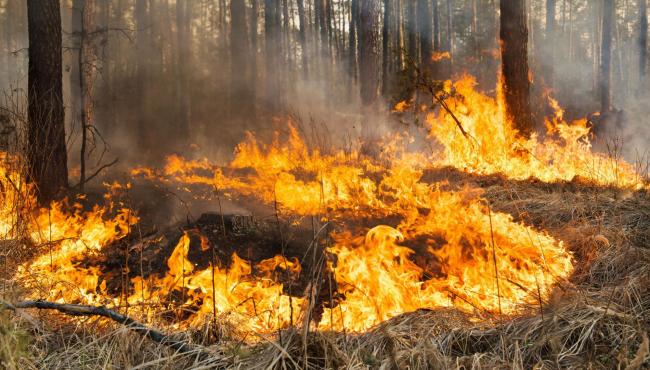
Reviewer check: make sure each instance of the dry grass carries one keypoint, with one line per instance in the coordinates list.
(600, 319)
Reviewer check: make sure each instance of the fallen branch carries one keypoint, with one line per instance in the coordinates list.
(84, 310)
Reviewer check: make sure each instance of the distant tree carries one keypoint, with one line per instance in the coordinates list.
(550, 39)
(385, 48)
(353, 35)
(46, 150)
(606, 57)
(272, 47)
(424, 32)
(411, 29)
(303, 37)
(240, 83)
(643, 38)
(183, 93)
(514, 64)
(368, 46)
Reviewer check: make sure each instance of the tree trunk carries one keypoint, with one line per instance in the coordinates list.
(85, 63)
(46, 152)
(255, 11)
(353, 28)
(385, 37)
(450, 36)
(240, 84)
(411, 30)
(514, 64)
(303, 38)
(550, 40)
(435, 14)
(424, 31)
(643, 38)
(142, 71)
(272, 48)
(183, 14)
(75, 51)
(368, 41)
(606, 57)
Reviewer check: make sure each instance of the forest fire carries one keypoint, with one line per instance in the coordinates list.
(398, 243)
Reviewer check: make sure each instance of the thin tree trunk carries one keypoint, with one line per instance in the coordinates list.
(85, 64)
(437, 41)
(353, 28)
(550, 39)
(514, 63)
(606, 57)
(450, 36)
(385, 37)
(424, 32)
(272, 48)
(411, 30)
(46, 152)
(240, 99)
(642, 40)
(368, 41)
(303, 38)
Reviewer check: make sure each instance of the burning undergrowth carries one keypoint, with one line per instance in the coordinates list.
(491, 227)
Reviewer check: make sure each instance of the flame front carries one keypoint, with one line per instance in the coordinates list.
(427, 246)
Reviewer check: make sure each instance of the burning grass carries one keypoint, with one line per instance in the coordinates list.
(494, 252)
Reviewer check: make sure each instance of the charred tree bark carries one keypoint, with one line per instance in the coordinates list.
(606, 57)
(46, 152)
(643, 38)
(514, 60)
(368, 42)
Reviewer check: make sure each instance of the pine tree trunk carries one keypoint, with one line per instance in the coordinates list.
(435, 10)
(46, 152)
(643, 38)
(272, 48)
(240, 97)
(368, 42)
(142, 70)
(86, 67)
(303, 38)
(352, 47)
(550, 40)
(385, 49)
(606, 57)
(75, 51)
(424, 32)
(514, 60)
(450, 36)
(255, 11)
(411, 30)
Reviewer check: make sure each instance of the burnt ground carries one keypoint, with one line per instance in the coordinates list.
(145, 252)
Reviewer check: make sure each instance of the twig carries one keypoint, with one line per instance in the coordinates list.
(100, 169)
(131, 324)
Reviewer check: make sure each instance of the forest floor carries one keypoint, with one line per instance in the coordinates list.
(600, 319)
